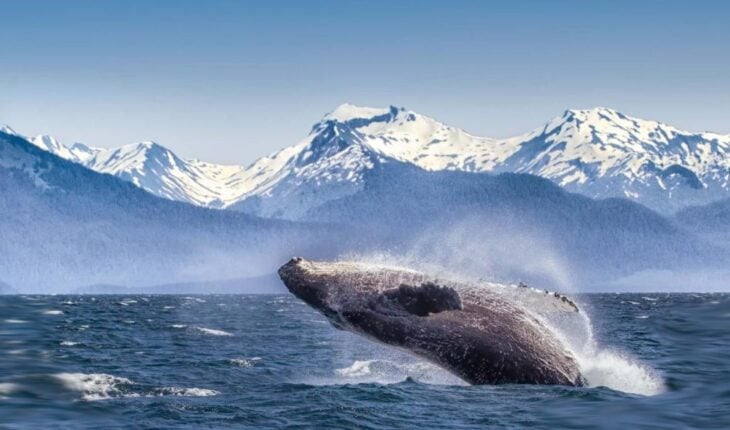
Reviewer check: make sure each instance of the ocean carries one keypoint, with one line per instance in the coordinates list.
(269, 361)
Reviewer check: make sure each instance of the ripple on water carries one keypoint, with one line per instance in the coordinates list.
(212, 331)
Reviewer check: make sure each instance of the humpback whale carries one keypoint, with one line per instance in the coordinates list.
(483, 333)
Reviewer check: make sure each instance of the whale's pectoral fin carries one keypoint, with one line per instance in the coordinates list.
(424, 299)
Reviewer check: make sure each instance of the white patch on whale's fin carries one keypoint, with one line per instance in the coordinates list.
(424, 299)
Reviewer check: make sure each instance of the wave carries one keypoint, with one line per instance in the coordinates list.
(95, 386)
(213, 332)
(102, 386)
(9, 388)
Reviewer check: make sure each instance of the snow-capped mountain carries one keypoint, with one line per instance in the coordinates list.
(155, 169)
(603, 153)
(597, 152)
(77, 152)
(63, 225)
(158, 170)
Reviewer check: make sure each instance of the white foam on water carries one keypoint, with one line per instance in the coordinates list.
(377, 371)
(9, 388)
(244, 362)
(621, 372)
(605, 367)
(185, 392)
(179, 325)
(102, 386)
(52, 312)
(94, 386)
(68, 343)
(213, 332)
(15, 321)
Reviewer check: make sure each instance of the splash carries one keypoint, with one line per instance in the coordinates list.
(603, 366)
(386, 371)
(390, 372)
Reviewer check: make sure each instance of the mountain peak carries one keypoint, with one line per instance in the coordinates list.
(7, 129)
(144, 147)
(149, 144)
(597, 110)
(52, 145)
(348, 112)
(607, 121)
(594, 115)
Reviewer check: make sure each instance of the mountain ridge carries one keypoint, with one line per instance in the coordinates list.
(64, 225)
(597, 152)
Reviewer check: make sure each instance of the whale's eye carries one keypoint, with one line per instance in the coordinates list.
(424, 299)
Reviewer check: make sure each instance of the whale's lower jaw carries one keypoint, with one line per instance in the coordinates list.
(481, 337)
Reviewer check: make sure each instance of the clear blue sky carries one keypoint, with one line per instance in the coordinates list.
(230, 81)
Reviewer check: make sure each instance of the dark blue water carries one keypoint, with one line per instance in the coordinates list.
(272, 362)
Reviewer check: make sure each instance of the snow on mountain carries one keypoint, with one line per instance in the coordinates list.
(331, 162)
(77, 152)
(53, 146)
(597, 152)
(82, 152)
(603, 153)
(8, 130)
(158, 170)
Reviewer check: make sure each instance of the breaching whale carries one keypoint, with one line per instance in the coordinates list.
(485, 334)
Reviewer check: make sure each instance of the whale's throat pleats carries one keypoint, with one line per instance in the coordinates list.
(421, 300)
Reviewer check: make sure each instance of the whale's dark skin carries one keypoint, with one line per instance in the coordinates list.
(480, 334)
